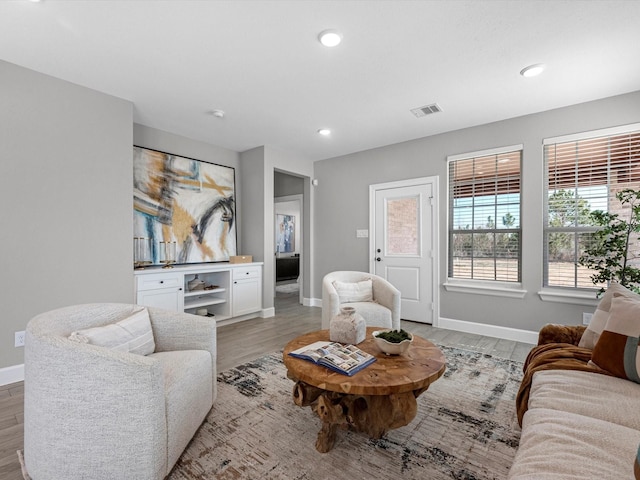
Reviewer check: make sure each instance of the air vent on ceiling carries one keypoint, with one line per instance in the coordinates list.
(426, 110)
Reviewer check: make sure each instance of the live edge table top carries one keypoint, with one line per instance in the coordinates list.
(422, 364)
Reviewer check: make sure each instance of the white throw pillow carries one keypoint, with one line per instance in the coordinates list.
(601, 315)
(132, 334)
(354, 292)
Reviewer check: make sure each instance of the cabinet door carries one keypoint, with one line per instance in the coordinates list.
(247, 296)
(167, 298)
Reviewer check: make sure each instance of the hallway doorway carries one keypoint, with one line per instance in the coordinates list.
(288, 241)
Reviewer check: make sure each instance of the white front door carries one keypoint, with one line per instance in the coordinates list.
(403, 240)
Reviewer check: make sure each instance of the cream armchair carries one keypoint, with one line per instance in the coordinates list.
(382, 311)
(93, 412)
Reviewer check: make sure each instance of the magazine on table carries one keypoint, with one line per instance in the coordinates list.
(345, 359)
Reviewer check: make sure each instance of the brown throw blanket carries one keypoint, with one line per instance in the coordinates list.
(551, 356)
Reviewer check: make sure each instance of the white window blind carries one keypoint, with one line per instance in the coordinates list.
(484, 216)
(584, 174)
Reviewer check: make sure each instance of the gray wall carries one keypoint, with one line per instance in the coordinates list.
(148, 137)
(258, 167)
(66, 191)
(66, 194)
(342, 203)
(285, 184)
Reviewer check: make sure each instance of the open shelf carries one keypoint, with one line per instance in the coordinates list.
(204, 302)
(195, 293)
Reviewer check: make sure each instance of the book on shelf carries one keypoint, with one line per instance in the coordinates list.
(345, 359)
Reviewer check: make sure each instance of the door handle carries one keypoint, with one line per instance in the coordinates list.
(378, 259)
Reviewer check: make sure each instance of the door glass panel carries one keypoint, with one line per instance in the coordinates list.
(402, 226)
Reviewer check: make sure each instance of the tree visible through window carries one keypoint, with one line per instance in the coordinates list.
(484, 217)
(583, 175)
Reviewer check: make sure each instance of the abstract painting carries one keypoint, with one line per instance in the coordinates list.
(285, 233)
(187, 201)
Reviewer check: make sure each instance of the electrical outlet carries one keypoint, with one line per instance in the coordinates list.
(19, 339)
(586, 318)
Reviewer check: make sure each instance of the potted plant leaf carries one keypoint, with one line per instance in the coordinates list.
(613, 250)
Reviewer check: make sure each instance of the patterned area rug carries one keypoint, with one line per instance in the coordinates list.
(465, 429)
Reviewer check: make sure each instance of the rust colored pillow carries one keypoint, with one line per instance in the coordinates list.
(617, 348)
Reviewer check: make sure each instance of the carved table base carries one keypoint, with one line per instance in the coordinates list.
(376, 399)
(374, 415)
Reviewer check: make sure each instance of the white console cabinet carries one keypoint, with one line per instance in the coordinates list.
(162, 290)
(232, 290)
(247, 290)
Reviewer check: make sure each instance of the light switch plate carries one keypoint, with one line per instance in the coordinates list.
(362, 233)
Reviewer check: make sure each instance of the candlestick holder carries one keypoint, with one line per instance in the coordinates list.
(141, 252)
(168, 254)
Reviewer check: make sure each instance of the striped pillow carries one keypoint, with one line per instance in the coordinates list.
(132, 334)
(617, 348)
(601, 315)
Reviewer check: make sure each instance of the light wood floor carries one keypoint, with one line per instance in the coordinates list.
(239, 343)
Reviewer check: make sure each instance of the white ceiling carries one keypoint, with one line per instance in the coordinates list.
(261, 63)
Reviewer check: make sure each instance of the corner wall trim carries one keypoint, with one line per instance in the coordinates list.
(268, 312)
(312, 302)
(517, 335)
(12, 374)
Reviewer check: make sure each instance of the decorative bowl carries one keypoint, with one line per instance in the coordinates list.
(391, 348)
(195, 284)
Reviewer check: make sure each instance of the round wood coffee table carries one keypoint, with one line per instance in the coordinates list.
(375, 400)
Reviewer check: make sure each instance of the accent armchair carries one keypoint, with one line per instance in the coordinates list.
(379, 306)
(100, 413)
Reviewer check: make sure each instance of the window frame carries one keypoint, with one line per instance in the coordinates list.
(560, 293)
(476, 285)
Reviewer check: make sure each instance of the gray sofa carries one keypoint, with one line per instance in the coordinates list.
(92, 412)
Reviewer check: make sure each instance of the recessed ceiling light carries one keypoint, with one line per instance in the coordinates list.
(324, 132)
(330, 38)
(217, 113)
(532, 70)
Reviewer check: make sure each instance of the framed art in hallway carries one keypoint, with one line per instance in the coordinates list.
(285, 233)
(186, 201)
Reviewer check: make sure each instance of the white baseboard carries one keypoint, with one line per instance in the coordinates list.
(312, 302)
(268, 312)
(12, 374)
(507, 333)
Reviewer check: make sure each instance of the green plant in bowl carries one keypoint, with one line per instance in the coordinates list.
(394, 336)
(392, 342)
